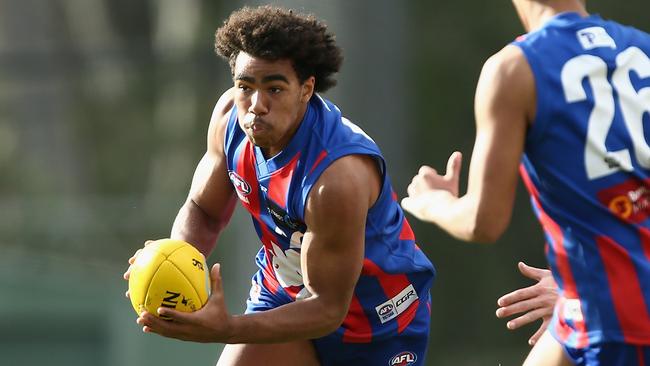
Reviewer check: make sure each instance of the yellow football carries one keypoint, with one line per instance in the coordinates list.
(169, 273)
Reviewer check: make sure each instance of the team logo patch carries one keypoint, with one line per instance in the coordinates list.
(594, 37)
(403, 359)
(241, 186)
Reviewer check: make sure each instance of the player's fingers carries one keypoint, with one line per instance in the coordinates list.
(215, 277)
(526, 318)
(535, 337)
(168, 315)
(532, 272)
(134, 256)
(516, 308)
(427, 170)
(453, 165)
(126, 294)
(145, 319)
(406, 203)
(516, 296)
(412, 189)
(170, 327)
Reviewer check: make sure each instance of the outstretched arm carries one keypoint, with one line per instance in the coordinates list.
(331, 261)
(533, 303)
(504, 103)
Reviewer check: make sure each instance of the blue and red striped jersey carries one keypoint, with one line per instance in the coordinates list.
(396, 274)
(586, 165)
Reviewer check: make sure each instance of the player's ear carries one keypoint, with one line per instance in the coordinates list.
(307, 89)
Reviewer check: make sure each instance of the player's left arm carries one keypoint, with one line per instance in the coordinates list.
(331, 260)
(504, 105)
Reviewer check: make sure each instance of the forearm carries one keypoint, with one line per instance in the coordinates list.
(194, 226)
(466, 220)
(304, 319)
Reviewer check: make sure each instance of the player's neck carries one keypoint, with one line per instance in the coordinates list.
(536, 14)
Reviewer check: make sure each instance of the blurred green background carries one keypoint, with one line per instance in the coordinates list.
(104, 106)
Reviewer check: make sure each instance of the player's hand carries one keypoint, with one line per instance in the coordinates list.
(211, 323)
(131, 261)
(429, 191)
(533, 302)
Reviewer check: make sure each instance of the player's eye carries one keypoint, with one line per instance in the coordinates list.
(243, 87)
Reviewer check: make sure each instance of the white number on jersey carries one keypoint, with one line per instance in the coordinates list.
(634, 104)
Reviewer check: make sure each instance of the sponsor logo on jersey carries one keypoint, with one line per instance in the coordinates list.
(395, 306)
(241, 186)
(629, 200)
(594, 37)
(282, 219)
(403, 359)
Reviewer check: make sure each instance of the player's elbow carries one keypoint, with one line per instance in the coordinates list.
(485, 235)
(331, 317)
(333, 320)
(487, 229)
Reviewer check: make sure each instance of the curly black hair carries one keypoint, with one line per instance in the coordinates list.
(274, 33)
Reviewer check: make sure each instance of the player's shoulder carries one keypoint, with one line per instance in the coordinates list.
(224, 105)
(506, 79)
(219, 119)
(351, 177)
(508, 61)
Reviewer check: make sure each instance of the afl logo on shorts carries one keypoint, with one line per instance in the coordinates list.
(241, 186)
(403, 359)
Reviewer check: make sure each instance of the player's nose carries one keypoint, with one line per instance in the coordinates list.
(259, 104)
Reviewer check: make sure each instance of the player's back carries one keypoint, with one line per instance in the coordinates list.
(587, 163)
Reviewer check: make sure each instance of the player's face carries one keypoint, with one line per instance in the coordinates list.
(271, 101)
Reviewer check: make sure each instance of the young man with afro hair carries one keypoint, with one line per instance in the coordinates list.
(340, 280)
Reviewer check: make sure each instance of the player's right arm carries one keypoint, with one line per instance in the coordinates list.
(211, 200)
(504, 105)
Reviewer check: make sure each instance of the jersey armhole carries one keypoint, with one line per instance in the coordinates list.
(537, 128)
(312, 177)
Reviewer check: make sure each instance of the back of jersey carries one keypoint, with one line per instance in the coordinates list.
(586, 165)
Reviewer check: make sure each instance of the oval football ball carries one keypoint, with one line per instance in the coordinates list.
(169, 273)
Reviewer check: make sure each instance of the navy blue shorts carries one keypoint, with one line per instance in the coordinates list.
(408, 348)
(610, 354)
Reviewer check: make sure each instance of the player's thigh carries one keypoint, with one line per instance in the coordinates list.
(547, 352)
(298, 353)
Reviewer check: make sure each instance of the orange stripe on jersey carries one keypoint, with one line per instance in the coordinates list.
(627, 295)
